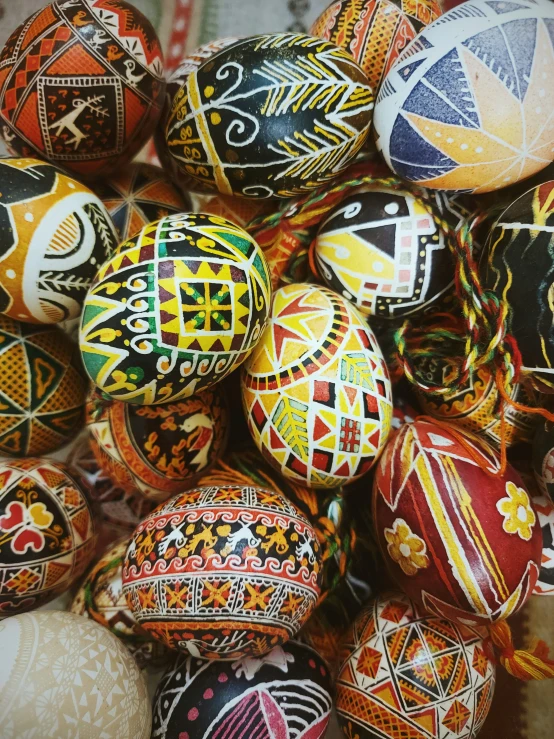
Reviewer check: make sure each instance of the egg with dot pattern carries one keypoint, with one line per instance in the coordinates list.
(176, 309)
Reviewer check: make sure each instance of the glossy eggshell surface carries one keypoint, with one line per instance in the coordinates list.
(468, 106)
(272, 115)
(140, 195)
(158, 450)
(382, 250)
(461, 541)
(47, 533)
(82, 84)
(42, 389)
(274, 695)
(374, 32)
(316, 390)
(408, 674)
(517, 263)
(176, 309)
(223, 572)
(54, 235)
(99, 690)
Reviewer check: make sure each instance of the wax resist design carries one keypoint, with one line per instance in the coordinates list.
(54, 234)
(158, 450)
(410, 675)
(464, 543)
(374, 32)
(466, 107)
(223, 572)
(286, 692)
(175, 310)
(316, 390)
(545, 512)
(543, 458)
(383, 251)
(138, 196)
(47, 533)
(81, 83)
(42, 389)
(272, 115)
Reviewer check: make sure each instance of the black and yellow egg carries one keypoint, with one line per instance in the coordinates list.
(270, 116)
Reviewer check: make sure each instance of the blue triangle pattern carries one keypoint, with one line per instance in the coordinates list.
(448, 77)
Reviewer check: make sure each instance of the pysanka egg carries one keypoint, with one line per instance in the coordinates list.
(467, 106)
(100, 597)
(272, 115)
(383, 251)
(409, 674)
(284, 693)
(374, 32)
(47, 533)
(66, 676)
(464, 543)
(54, 235)
(82, 85)
(175, 310)
(240, 568)
(543, 458)
(138, 196)
(545, 512)
(517, 263)
(42, 389)
(158, 450)
(316, 390)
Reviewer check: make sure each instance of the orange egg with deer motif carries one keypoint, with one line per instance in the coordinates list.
(460, 536)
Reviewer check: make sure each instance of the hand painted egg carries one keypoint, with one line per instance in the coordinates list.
(458, 536)
(285, 693)
(237, 210)
(545, 511)
(66, 676)
(382, 250)
(467, 105)
(408, 674)
(223, 572)
(82, 85)
(374, 32)
(119, 511)
(517, 263)
(316, 390)
(272, 115)
(176, 309)
(54, 235)
(175, 81)
(42, 389)
(477, 407)
(101, 598)
(158, 450)
(138, 196)
(47, 533)
(543, 458)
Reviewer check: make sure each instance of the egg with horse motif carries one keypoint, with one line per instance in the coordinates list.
(407, 673)
(158, 450)
(47, 533)
(316, 390)
(54, 235)
(138, 196)
(467, 106)
(285, 693)
(459, 536)
(543, 458)
(100, 598)
(382, 250)
(176, 309)
(240, 568)
(273, 115)
(374, 32)
(82, 85)
(517, 264)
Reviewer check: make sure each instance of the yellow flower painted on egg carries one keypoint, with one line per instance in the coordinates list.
(406, 548)
(519, 516)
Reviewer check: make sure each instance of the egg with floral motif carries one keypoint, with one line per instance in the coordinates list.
(460, 537)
